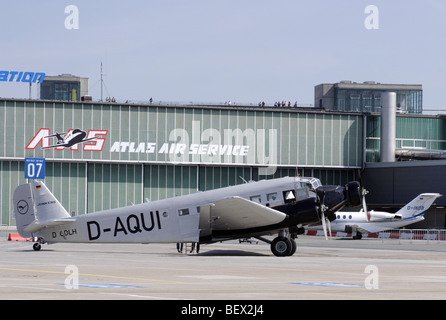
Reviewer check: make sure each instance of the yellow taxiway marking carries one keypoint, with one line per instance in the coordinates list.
(92, 275)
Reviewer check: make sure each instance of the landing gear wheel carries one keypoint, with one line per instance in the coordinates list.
(282, 247)
(37, 246)
(358, 236)
(294, 247)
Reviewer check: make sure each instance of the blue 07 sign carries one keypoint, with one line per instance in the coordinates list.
(34, 168)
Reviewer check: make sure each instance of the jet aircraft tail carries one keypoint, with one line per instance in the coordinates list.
(418, 206)
(36, 207)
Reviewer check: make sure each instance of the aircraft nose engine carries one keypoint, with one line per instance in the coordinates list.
(336, 197)
(354, 194)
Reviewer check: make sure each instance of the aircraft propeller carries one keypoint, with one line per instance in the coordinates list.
(325, 221)
(364, 192)
(333, 198)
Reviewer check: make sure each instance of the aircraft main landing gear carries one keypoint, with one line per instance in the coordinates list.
(283, 246)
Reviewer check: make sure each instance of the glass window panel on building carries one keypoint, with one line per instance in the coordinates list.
(366, 97)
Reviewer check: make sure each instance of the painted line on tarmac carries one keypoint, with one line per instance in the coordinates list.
(101, 285)
(93, 275)
(330, 284)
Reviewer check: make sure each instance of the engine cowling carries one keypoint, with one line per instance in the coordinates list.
(335, 197)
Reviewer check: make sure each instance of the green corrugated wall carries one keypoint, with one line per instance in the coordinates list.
(327, 146)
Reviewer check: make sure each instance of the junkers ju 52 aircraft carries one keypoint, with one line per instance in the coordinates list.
(279, 206)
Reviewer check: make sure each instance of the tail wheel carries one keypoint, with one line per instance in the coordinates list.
(37, 246)
(282, 247)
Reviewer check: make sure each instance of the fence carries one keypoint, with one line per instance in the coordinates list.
(402, 235)
(414, 235)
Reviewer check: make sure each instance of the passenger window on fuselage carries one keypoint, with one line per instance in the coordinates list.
(256, 199)
(183, 212)
(271, 196)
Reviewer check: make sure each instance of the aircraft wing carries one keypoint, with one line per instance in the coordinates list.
(368, 227)
(236, 213)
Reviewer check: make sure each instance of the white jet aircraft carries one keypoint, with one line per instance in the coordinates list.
(372, 221)
(278, 206)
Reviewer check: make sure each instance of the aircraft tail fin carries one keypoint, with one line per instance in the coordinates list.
(36, 207)
(418, 206)
(48, 208)
(23, 209)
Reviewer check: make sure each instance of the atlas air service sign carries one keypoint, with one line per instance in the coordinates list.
(177, 146)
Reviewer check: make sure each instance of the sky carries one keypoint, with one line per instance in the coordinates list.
(215, 51)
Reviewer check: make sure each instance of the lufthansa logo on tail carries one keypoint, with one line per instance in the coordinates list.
(22, 207)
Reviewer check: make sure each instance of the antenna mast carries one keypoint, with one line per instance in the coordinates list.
(102, 81)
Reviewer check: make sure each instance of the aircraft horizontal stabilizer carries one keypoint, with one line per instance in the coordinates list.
(36, 225)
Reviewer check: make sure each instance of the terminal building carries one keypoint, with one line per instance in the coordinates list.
(151, 151)
(366, 97)
(66, 87)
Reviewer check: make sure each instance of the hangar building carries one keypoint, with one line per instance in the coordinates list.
(154, 151)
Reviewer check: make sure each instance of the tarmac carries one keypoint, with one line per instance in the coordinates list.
(336, 269)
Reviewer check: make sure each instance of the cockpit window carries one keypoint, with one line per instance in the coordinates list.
(315, 183)
(302, 193)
